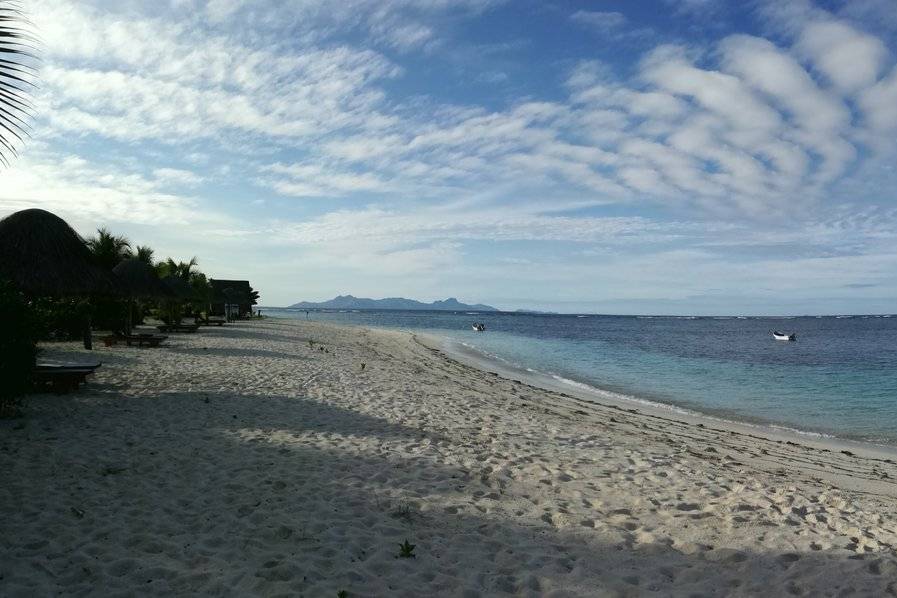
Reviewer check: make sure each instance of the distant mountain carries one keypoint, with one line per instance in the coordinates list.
(350, 302)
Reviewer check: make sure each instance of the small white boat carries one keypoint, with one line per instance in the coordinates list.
(784, 336)
(478, 327)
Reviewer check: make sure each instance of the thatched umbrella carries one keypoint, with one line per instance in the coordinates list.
(41, 255)
(141, 281)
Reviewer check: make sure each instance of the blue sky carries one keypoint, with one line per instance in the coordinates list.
(697, 156)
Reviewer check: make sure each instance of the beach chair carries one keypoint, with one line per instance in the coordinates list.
(150, 340)
(54, 364)
(178, 327)
(61, 378)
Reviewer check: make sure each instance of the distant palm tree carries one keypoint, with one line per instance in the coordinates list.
(202, 290)
(17, 77)
(144, 254)
(108, 249)
(181, 270)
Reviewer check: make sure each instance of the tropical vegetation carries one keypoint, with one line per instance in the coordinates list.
(18, 73)
(18, 347)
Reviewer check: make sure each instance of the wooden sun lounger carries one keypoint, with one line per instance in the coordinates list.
(53, 364)
(178, 328)
(151, 340)
(61, 379)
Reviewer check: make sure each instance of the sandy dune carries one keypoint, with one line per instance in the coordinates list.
(246, 460)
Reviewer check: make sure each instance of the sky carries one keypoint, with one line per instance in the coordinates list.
(665, 157)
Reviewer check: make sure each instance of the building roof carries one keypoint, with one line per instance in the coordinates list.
(230, 291)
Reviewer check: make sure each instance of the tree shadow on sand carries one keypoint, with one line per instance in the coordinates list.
(236, 352)
(288, 336)
(49, 351)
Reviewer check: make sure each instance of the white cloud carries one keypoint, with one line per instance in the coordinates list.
(611, 25)
(820, 120)
(145, 79)
(220, 10)
(670, 70)
(850, 59)
(879, 104)
(604, 21)
(177, 176)
(318, 180)
(377, 228)
(102, 193)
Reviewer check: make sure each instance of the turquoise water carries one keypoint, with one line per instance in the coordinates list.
(839, 378)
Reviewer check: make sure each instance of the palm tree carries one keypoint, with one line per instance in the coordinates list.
(17, 76)
(198, 290)
(144, 254)
(182, 270)
(202, 291)
(109, 250)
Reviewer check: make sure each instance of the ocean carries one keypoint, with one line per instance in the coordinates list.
(838, 379)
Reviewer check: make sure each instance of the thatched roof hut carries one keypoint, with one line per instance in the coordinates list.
(42, 255)
(140, 279)
(231, 292)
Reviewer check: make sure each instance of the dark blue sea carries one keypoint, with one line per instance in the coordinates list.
(838, 379)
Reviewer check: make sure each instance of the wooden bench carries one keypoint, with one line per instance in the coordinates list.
(61, 379)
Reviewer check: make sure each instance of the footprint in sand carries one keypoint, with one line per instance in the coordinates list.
(788, 559)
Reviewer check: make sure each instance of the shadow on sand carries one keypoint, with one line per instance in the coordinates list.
(235, 352)
(258, 495)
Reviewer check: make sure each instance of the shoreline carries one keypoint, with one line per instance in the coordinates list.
(696, 413)
(476, 358)
(473, 357)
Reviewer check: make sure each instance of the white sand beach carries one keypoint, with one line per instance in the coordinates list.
(291, 458)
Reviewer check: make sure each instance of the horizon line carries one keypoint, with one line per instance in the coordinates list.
(611, 315)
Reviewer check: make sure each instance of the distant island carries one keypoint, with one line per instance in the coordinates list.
(350, 302)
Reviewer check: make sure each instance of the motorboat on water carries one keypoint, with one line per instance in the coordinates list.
(784, 336)
(478, 327)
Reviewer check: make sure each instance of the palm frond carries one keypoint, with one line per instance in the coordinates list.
(19, 49)
(144, 253)
(108, 249)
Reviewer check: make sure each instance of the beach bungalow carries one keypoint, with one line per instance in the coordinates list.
(231, 298)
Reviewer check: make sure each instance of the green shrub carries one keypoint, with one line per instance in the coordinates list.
(18, 350)
(59, 319)
(406, 550)
(170, 312)
(110, 314)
